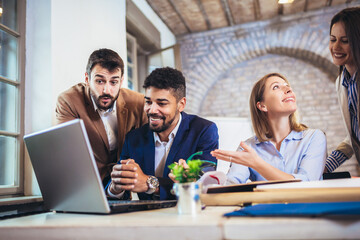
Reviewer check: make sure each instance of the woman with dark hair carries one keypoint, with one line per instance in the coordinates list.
(282, 148)
(344, 46)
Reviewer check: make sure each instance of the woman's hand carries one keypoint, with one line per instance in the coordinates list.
(181, 162)
(248, 157)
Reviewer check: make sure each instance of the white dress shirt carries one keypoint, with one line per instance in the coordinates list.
(162, 149)
(109, 119)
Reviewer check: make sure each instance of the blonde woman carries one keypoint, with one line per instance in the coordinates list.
(282, 148)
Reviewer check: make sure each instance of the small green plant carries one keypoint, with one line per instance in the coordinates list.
(190, 174)
(184, 175)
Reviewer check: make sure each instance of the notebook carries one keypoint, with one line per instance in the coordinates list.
(246, 187)
(299, 210)
(67, 174)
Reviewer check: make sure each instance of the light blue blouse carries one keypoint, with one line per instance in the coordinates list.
(302, 154)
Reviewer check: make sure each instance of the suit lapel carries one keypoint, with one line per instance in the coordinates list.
(96, 119)
(149, 153)
(122, 118)
(176, 145)
(343, 101)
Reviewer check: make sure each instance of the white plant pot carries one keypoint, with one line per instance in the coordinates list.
(188, 195)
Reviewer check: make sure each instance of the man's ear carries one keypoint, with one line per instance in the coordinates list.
(182, 104)
(262, 107)
(87, 78)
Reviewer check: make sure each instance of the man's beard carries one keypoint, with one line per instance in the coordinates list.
(164, 126)
(98, 103)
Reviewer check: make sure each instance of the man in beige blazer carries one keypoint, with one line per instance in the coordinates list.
(108, 111)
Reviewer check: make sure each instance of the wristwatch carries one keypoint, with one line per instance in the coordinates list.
(153, 184)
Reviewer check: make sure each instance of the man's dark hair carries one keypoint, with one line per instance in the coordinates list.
(167, 78)
(107, 59)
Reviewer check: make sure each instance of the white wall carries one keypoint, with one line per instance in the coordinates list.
(38, 81)
(77, 29)
(60, 36)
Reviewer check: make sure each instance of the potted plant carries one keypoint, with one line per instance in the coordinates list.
(186, 188)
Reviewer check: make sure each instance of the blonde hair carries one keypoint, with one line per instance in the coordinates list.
(259, 118)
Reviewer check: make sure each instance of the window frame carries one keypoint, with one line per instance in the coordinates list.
(134, 65)
(18, 187)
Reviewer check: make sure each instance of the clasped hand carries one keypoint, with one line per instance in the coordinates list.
(128, 176)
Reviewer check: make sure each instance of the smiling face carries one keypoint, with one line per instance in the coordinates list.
(104, 86)
(340, 48)
(163, 110)
(278, 98)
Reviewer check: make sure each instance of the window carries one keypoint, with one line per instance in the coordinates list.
(144, 42)
(164, 58)
(11, 95)
(131, 62)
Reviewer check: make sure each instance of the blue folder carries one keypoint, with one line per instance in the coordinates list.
(299, 209)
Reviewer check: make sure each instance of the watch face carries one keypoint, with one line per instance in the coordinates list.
(153, 184)
(153, 181)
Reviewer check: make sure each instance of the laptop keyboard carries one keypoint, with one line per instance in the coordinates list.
(140, 202)
(122, 202)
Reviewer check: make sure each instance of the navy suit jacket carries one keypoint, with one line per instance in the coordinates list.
(194, 134)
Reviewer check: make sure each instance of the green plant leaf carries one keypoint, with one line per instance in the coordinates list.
(184, 175)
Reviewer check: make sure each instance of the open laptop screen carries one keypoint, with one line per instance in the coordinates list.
(65, 168)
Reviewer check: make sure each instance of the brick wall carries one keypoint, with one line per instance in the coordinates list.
(221, 67)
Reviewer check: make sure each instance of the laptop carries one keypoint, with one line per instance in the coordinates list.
(67, 174)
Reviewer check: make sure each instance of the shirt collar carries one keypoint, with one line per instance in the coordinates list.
(347, 78)
(110, 110)
(171, 135)
(293, 135)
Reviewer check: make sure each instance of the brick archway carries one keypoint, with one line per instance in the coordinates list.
(207, 56)
(317, 61)
(197, 88)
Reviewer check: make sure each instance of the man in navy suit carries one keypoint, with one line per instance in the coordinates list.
(170, 135)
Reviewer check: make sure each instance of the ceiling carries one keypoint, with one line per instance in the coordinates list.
(190, 16)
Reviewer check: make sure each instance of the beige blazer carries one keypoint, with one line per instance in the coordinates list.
(349, 146)
(76, 103)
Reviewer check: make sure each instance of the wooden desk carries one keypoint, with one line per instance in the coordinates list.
(167, 224)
